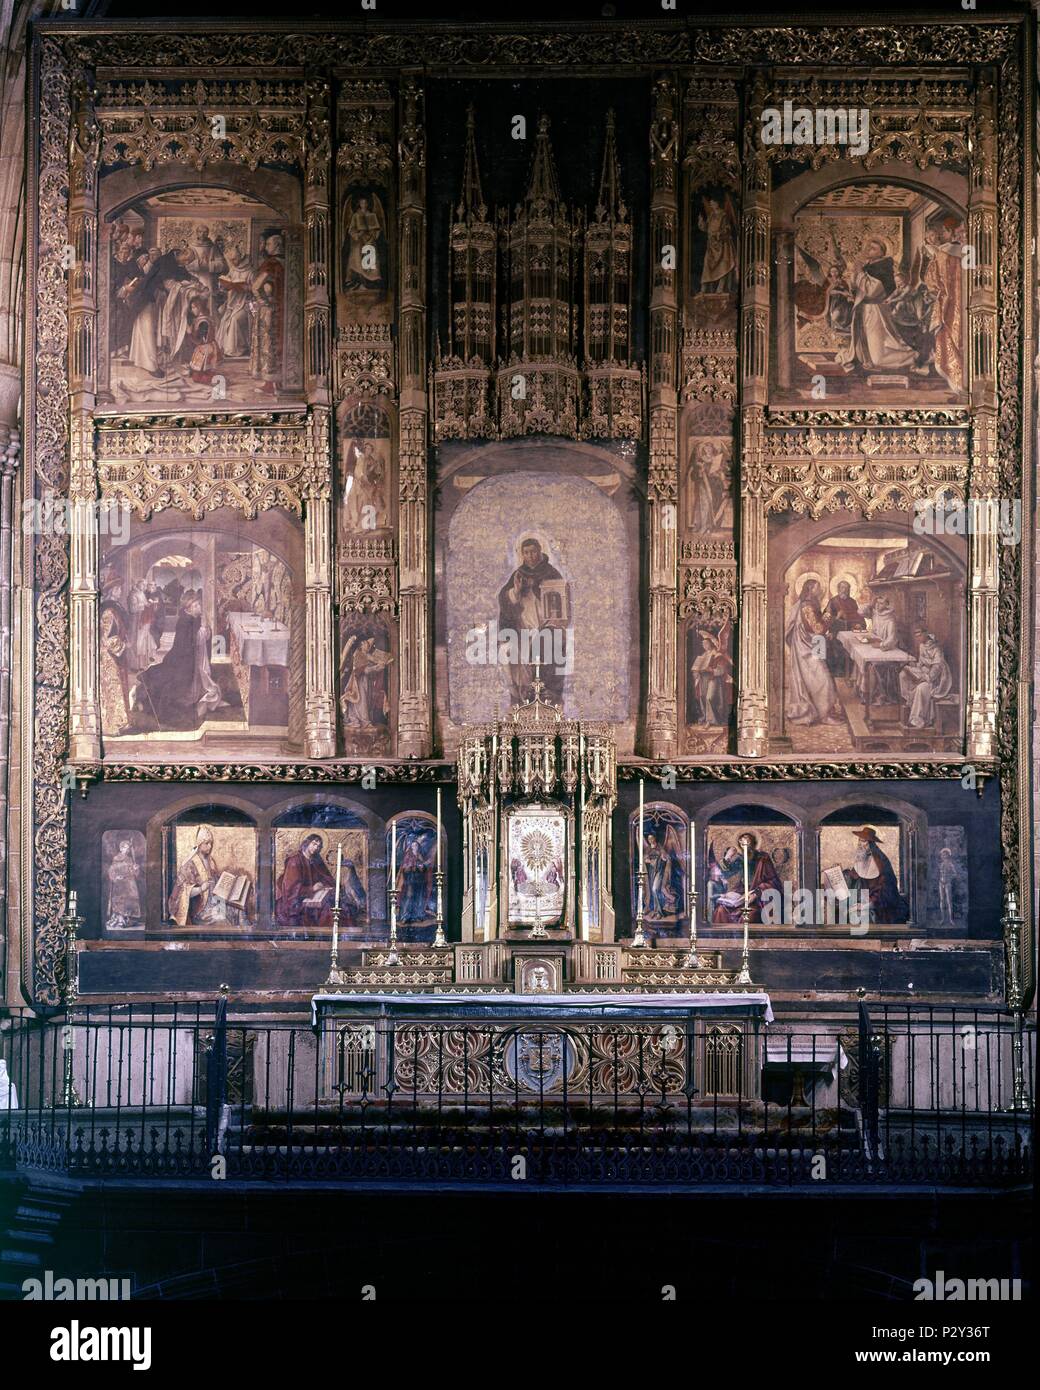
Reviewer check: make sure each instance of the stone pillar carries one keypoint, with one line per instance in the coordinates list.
(414, 705)
(984, 483)
(317, 314)
(81, 259)
(753, 360)
(661, 732)
(320, 697)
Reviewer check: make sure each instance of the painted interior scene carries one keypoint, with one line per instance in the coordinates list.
(201, 634)
(875, 307)
(198, 301)
(873, 638)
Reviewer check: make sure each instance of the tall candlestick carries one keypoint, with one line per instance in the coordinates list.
(393, 958)
(339, 869)
(744, 975)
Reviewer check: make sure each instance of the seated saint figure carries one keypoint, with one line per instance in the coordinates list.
(872, 873)
(730, 871)
(924, 681)
(306, 889)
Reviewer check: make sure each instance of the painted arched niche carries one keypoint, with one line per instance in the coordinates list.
(582, 534)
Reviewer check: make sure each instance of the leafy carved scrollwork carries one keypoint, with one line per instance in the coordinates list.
(200, 470)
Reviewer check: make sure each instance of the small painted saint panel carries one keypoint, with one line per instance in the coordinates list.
(305, 865)
(201, 636)
(708, 487)
(415, 880)
(364, 269)
(365, 687)
(709, 663)
(537, 851)
(865, 862)
(874, 643)
(714, 257)
(947, 876)
(877, 299)
(204, 299)
(123, 865)
(212, 869)
(771, 863)
(666, 859)
(364, 486)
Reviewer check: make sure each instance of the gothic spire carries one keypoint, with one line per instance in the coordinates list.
(610, 205)
(472, 201)
(543, 185)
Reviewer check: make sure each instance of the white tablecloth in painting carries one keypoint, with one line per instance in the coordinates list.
(259, 641)
(866, 654)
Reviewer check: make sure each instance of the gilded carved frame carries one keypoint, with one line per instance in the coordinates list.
(71, 453)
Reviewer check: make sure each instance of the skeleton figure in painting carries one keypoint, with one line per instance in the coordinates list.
(523, 609)
(925, 680)
(811, 694)
(189, 903)
(947, 885)
(123, 899)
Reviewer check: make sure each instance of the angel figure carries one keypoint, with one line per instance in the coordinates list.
(364, 245)
(664, 873)
(822, 294)
(719, 223)
(366, 701)
(712, 674)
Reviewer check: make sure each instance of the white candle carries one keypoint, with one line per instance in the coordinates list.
(393, 872)
(339, 869)
(438, 829)
(641, 864)
(743, 845)
(693, 856)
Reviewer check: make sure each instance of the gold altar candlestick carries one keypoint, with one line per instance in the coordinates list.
(639, 939)
(1012, 926)
(69, 992)
(336, 975)
(393, 958)
(692, 961)
(438, 936)
(538, 930)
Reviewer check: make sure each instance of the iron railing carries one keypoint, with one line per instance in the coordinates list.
(902, 1096)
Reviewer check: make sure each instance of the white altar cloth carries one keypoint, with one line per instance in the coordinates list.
(559, 1005)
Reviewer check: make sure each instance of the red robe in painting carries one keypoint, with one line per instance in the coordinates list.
(296, 883)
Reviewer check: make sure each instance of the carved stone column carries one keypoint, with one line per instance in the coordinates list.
(317, 313)
(320, 698)
(661, 733)
(414, 707)
(753, 358)
(84, 709)
(984, 484)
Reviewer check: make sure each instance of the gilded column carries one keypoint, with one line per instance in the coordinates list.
(663, 480)
(753, 359)
(984, 483)
(414, 721)
(81, 259)
(320, 700)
